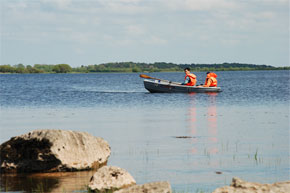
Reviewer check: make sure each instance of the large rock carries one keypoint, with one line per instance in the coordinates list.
(154, 187)
(53, 150)
(240, 186)
(110, 178)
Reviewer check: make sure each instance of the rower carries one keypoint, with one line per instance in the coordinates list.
(189, 79)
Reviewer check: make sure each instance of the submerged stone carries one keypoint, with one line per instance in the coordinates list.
(52, 151)
(153, 187)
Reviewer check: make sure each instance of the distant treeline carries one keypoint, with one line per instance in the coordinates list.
(133, 67)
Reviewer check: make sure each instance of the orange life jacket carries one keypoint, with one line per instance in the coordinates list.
(211, 76)
(192, 78)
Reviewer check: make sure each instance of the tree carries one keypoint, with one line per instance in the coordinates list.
(7, 69)
(20, 68)
(31, 69)
(44, 67)
(136, 69)
(62, 68)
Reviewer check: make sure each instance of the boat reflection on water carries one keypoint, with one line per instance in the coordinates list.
(46, 182)
(212, 123)
(192, 122)
(198, 131)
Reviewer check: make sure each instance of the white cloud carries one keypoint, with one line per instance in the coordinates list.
(200, 5)
(154, 40)
(124, 7)
(135, 30)
(125, 1)
(60, 4)
(271, 1)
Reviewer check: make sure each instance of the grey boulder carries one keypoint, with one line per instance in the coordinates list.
(240, 186)
(52, 151)
(110, 178)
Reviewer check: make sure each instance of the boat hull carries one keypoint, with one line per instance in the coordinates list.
(158, 86)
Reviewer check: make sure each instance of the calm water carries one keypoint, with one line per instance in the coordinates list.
(242, 131)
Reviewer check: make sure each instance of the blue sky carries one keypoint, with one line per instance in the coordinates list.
(84, 32)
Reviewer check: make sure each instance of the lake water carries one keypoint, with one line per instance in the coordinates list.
(197, 142)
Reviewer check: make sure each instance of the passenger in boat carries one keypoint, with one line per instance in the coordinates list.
(189, 79)
(210, 80)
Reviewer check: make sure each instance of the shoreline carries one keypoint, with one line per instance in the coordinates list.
(124, 72)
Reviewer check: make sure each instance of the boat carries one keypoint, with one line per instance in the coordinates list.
(165, 86)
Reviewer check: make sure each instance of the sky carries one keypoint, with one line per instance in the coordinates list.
(85, 32)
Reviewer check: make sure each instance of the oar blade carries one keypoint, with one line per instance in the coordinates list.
(145, 76)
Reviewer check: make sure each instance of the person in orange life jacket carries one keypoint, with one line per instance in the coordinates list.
(190, 79)
(210, 80)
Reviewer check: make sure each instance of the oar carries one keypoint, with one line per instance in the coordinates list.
(149, 77)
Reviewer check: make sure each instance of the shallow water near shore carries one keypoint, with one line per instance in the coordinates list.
(197, 142)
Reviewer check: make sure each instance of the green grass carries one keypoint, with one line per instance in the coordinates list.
(256, 155)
